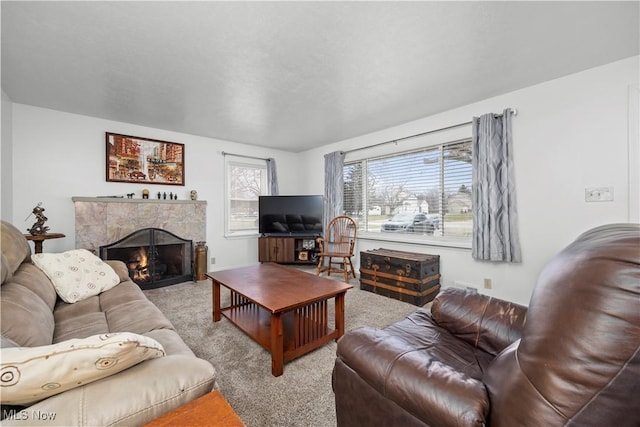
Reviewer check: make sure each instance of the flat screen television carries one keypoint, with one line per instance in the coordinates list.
(290, 215)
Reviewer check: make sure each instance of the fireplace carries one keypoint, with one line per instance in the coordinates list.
(154, 257)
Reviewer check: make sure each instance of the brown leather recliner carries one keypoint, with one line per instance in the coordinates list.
(473, 360)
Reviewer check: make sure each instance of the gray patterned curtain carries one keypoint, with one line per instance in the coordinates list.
(495, 219)
(333, 186)
(273, 176)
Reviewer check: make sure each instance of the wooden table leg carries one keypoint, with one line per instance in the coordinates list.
(277, 345)
(38, 246)
(340, 315)
(216, 300)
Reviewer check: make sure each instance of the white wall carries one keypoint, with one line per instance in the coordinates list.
(6, 154)
(58, 155)
(569, 134)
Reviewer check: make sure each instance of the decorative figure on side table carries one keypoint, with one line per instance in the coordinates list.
(194, 195)
(38, 228)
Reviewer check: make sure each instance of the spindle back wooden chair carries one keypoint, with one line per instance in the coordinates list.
(338, 243)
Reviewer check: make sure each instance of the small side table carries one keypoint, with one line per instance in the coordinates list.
(212, 409)
(39, 238)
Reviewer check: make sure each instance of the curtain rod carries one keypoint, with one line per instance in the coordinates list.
(513, 111)
(224, 153)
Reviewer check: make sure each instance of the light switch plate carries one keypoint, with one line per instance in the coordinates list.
(598, 194)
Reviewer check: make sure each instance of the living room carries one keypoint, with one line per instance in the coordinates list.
(574, 131)
(561, 132)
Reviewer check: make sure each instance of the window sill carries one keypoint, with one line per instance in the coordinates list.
(415, 240)
(241, 234)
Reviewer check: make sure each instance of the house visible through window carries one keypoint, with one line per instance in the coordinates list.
(246, 181)
(420, 194)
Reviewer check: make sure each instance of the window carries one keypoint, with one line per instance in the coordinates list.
(246, 180)
(423, 194)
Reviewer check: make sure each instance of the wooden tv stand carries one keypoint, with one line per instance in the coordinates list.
(291, 249)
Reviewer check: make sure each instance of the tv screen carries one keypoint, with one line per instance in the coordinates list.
(287, 215)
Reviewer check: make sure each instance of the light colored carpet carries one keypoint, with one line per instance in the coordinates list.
(302, 396)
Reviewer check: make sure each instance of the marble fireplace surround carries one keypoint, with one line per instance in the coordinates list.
(100, 221)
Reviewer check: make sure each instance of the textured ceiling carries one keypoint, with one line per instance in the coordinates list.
(295, 75)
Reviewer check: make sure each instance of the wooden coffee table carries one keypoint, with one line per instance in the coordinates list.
(283, 309)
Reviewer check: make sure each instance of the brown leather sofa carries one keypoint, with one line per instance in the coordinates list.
(474, 361)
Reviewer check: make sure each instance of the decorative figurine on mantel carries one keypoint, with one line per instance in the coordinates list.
(38, 228)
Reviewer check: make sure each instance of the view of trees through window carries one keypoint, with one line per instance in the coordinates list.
(246, 183)
(425, 192)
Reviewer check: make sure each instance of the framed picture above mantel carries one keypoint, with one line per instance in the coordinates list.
(143, 160)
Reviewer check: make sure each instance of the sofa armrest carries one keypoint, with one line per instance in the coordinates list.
(131, 397)
(490, 324)
(428, 389)
(120, 268)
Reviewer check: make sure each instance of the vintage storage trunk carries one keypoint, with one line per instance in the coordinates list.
(405, 276)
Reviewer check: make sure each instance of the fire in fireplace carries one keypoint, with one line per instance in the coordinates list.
(154, 257)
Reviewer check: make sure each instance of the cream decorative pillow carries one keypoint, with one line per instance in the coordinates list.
(30, 374)
(76, 274)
